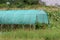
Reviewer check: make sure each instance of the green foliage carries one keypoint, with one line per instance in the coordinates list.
(19, 3)
(31, 1)
(3, 5)
(54, 18)
(41, 26)
(2, 1)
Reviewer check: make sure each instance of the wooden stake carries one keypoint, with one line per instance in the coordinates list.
(1, 26)
(12, 26)
(8, 27)
(30, 26)
(34, 27)
(23, 26)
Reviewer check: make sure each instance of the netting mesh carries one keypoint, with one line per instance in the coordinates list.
(23, 17)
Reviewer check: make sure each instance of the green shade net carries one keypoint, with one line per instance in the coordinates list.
(23, 16)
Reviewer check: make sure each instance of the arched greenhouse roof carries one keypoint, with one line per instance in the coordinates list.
(23, 16)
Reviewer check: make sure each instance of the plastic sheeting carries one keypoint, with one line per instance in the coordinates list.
(23, 16)
(51, 2)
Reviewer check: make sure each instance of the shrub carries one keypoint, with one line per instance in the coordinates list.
(31, 1)
(41, 25)
(20, 5)
(3, 5)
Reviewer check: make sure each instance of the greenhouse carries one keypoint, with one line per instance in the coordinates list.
(23, 16)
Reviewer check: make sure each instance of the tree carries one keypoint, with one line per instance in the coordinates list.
(2, 1)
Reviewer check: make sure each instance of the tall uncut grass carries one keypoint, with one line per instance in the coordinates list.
(47, 34)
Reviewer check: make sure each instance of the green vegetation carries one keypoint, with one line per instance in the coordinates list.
(50, 32)
(17, 3)
(47, 34)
